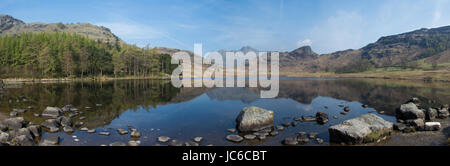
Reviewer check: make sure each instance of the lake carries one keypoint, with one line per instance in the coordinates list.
(156, 108)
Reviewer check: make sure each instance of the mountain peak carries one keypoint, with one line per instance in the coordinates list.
(304, 52)
(7, 22)
(247, 49)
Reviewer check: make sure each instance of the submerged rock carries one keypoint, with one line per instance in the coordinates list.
(347, 109)
(234, 138)
(50, 141)
(134, 143)
(118, 144)
(250, 137)
(135, 134)
(321, 117)
(175, 143)
(290, 141)
(364, 129)
(198, 139)
(53, 112)
(308, 118)
(191, 143)
(409, 111)
(254, 119)
(122, 131)
(23, 140)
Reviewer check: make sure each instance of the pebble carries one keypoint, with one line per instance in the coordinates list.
(280, 128)
(135, 134)
(191, 143)
(91, 131)
(175, 143)
(250, 137)
(274, 133)
(134, 143)
(122, 131)
(104, 133)
(290, 141)
(313, 135)
(231, 130)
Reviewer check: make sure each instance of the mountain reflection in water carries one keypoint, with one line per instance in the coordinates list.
(156, 108)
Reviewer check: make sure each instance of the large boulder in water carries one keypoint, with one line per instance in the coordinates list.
(254, 119)
(410, 111)
(364, 129)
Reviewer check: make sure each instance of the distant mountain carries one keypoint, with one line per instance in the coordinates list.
(429, 45)
(12, 26)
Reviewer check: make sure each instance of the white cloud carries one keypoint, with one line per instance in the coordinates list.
(302, 43)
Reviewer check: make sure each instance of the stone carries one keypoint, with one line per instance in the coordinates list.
(15, 123)
(443, 113)
(118, 144)
(78, 124)
(163, 139)
(343, 113)
(3, 127)
(67, 107)
(418, 124)
(198, 139)
(409, 111)
(254, 119)
(234, 138)
(347, 109)
(290, 141)
(19, 110)
(23, 140)
(293, 124)
(4, 136)
(91, 131)
(262, 137)
(319, 140)
(82, 118)
(231, 130)
(135, 134)
(313, 135)
(50, 123)
(122, 131)
(297, 119)
(364, 129)
(68, 129)
(191, 143)
(365, 106)
(274, 133)
(280, 128)
(65, 121)
(98, 105)
(175, 143)
(12, 114)
(335, 117)
(53, 112)
(36, 115)
(26, 132)
(104, 133)
(250, 137)
(50, 141)
(399, 126)
(432, 126)
(309, 118)
(53, 130)
(286, 124)
(134, 143)
(431, 114)
(321, 117)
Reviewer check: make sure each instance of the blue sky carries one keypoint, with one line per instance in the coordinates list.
(269, 25)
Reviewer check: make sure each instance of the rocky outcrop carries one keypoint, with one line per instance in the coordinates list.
(254, 119)
(409, 111)
(364, 129)
(53, 112)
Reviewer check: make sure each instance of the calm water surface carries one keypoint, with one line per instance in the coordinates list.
(156, 108)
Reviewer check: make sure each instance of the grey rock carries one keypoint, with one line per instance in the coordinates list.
(297, 119)
(35, 130)
(50, 123)
(309, 118)
(163, 139)
(432, 126)
(135, 134)
(231, 130)
(65, 121)
(250, 137)
(4, 136)
(53, 130)
(409, 111)
(418, 124)
(343, 113)
(67, 107)
(12, 114)
(78, 124)
(321, 117)
(118, 144)
(347, 109)
(15, 123)
(3, 127)
(53, 112)
(122, 131)
(191, 143)
(104, 133)
(274, 133)
(91, 131)
(286, 124)
(68, 129)
(26, 132)
(290, 141)
(262, 137)
(443, 113)
(50, 141)
(23, 140)
(364, 129)
(175, 143)
(431, 114)
(198, 139)
(134, 143)
(280, 128)
(254, 119)
(319, 140)
(82, 118)
(399, 126)
(234, 138)
(313, 135)
(365, 106)
(36, 115)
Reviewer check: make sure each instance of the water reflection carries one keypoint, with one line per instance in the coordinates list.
(156, 108)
